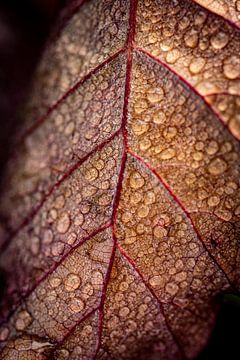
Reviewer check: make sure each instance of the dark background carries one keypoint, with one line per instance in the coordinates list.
(24, 26)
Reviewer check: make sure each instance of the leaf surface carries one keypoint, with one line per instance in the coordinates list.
(121, 198)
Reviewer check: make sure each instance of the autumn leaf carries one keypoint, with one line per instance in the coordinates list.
(121, 197)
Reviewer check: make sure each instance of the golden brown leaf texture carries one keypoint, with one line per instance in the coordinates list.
(121, 197)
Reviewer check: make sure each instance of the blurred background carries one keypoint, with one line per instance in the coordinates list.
(24, 26)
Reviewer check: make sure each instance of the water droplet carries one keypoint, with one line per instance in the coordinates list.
(35, 245)
(76, 305)
(57, 248)
(155, 96)
(59, 202)
(72, 282)
(69, 128)
(231, 67)
(124, 312)
(219, 40)
(97, 278)
(223, 214)
(212, 148)
(63, 223)
(47, 237)
(234, 126)
(197, 65)
(136, 180)
(237, 210)
(172, 288)
(92, 174)
(143, 211)
(167, 154)
(172, 56)
(156, 281)
(24, 319)
(4, 332)
(159, 117)
(159, 232)
(149, 198)
(79, 219)
(191, 39)
(217, 166)
(139, 127)
(55, 281)
(213, 201)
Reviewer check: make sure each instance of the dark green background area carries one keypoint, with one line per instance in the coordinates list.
(24, 25)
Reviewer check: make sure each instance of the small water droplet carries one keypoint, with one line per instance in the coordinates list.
(76, 305)
(136, 180)
(72, 282)
(24, 319)
(217, 166)
(219, 40)
(63, 223)
(167, 154)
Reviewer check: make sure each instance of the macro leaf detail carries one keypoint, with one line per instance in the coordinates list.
(121, 198)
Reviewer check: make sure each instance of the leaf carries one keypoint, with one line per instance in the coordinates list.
(122, 194)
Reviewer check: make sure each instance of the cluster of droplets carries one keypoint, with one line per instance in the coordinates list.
(68, 294)
(78, 208)
(198, 45)
(95, 32)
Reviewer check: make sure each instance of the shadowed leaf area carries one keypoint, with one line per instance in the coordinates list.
(121, 195)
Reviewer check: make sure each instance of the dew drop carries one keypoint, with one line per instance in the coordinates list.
(219, 40)
(91, 174)
(55, 282)
(155, 96)
(136, 180)
(143, 211)
(156, 281)
(4, 332)
(159, 232)
(59, 202)
(234, 126)
(159, 117)
(139, 127)
(167, 154)
(172, 288)
(223, 214)
(97, 278)
(69, 128)
(172, 56)
(213, 201)
(72, 282)
(24, 319)
(63, 223)
(231, 68)
(197, 65)
(217, 166)
(47, 237)
(76, 305)
(35, 245)
(124, 312)
(191, 39)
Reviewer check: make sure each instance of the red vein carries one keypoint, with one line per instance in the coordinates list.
(178, 201)
(224, 18)
(86, 77)
(100, 307)
(65, 176)
(104, 293)
(191, 87)
(129, 45)
(56, 265)
(133, 265)
(71, 330)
